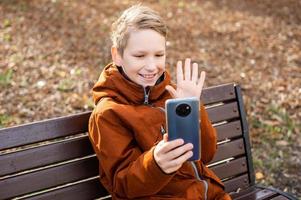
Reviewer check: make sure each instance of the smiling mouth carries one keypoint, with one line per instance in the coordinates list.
(148, 76)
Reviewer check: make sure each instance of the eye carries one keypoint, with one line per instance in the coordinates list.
(159, 55)
(139, 56)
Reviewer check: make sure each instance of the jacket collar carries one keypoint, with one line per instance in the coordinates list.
(115, 84)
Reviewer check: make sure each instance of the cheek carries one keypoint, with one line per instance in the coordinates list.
(134, 62)
(133, 66)
(162, 64)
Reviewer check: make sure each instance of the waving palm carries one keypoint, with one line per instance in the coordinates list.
(188, 85)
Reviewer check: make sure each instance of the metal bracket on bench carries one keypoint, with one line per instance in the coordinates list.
(235, 192)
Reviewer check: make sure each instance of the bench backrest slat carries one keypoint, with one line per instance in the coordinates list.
(224, 112)
(229, 130)
(237, 182)
(64, 140)
(230, 149)
(216, 94)
(43, 130)
(232, 168)
(49, 177)
(85, 191)
(45, 155)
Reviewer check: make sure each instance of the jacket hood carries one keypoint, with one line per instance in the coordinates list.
(113, 84)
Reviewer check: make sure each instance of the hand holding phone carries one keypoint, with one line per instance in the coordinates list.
(170, 155)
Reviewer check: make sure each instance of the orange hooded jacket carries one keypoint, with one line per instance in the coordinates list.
(124, 130)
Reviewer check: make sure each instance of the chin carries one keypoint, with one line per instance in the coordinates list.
(148, 84)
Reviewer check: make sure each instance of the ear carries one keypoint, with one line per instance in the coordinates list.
(116, 57)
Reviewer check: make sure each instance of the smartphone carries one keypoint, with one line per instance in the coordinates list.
(182, 118)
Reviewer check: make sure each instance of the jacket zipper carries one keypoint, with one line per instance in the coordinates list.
(162, 130)
(146, 96)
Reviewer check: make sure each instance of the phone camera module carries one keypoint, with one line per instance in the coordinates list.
(183, 110)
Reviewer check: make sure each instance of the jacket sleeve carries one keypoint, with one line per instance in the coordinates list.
(208, 137)
(131, 172)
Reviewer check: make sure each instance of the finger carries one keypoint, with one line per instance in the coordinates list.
(179, 72)
(178, 162)
(177, 152)
(172, 91)
(195, 72)
(201, 81)
(187, 69)
(168, 146)
(181, 159)
(184, 157)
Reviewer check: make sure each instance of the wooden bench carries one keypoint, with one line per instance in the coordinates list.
(53, 159)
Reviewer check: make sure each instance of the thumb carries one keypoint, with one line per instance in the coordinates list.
(171, 91)
(165, 137)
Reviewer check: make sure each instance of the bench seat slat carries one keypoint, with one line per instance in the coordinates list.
(237, 182)
(219, 93)
(258, 194)
(47, 178)
(43, 155)
(87, 190)
(244, 192)
(232, 168)
(224, 112)
(44, 130)
(279, 198)
(229, 130)
(228, 150)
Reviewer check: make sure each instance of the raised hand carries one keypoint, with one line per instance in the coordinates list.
(188, 84)
(170, 155)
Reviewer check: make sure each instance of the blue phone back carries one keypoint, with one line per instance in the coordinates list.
(185, 127)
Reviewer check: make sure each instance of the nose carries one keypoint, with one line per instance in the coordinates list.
(151, 65)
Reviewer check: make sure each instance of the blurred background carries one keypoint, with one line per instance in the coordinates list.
(52, 52)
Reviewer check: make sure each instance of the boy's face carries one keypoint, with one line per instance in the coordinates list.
(143, 58)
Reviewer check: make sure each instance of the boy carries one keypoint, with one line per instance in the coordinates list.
(127, 126)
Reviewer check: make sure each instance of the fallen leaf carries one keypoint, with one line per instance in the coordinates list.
(259, 175)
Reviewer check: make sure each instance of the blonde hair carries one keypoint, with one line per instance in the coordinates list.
(134, 18)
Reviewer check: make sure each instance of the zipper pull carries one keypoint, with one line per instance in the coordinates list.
(146, 95)
(162, 130)
(145, 99)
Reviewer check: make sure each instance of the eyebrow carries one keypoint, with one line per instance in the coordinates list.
(141, 51)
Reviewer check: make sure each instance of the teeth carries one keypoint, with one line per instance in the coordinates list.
(148, 76)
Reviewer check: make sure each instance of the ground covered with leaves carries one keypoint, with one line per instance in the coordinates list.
(52, 51)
